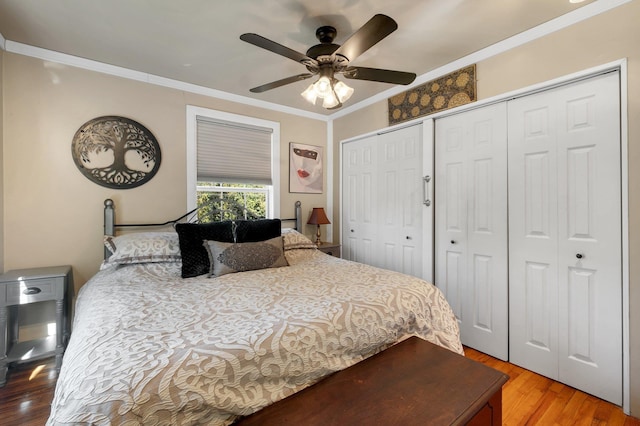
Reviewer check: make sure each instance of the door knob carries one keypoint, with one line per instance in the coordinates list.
(408, 237)
(579, 255)
(353, 230)
(453, 241)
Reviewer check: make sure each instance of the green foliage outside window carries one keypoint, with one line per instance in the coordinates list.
(227, 205)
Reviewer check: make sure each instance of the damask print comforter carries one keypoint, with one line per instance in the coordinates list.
(149, 347)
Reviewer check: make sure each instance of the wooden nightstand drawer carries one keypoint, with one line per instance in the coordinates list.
(330, 249)
(29, 291)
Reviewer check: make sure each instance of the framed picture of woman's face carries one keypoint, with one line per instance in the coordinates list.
(305, 168)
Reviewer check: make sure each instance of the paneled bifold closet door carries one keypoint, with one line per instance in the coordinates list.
(471, 224)
(565, 256)
(400, 200)
(382, 200)
(359, 200)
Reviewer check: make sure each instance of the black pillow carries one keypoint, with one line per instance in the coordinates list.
(253, 231)
(195, 259)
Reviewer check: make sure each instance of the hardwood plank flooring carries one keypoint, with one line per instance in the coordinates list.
(528, 398)
(26, 398)
(531, 399)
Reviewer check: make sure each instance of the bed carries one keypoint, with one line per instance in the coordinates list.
(153, 346)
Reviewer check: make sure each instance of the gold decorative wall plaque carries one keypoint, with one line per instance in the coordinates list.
(452, 90)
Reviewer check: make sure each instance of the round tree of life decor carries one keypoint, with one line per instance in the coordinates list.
(116, 152)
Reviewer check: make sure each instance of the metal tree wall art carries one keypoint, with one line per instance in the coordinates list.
(116, 152)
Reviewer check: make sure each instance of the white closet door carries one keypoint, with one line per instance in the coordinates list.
(533, 236)
(565, 235)
(400, 200)
(471, 224)
(359, 190)
(451, 211)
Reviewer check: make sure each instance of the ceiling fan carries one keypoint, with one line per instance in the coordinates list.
(328, 59)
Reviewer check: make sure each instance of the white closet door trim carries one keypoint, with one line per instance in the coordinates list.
(428, 231)
(624, 170)
(330, 180)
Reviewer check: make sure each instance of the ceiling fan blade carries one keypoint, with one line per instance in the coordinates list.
(368, 35)
(274, 47)
(383, 76)
(279, 83)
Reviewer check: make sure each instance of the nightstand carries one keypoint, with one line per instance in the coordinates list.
(331, 249)
(25, 286)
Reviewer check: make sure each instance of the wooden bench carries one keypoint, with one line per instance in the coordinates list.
(411, 383)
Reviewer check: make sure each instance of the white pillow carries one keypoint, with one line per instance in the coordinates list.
(143, 247)
(295, 240)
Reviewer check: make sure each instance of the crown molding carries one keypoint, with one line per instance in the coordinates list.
(549, 27)
(566, 20)
(88, 64)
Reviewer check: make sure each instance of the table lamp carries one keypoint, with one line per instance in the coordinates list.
(318, 217)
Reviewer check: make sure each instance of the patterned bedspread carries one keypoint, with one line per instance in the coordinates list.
(149, 347)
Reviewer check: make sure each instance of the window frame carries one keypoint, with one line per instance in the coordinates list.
(273, 203)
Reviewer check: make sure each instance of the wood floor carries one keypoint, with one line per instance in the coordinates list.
(531, 399)
(26, 398)
(528, 399)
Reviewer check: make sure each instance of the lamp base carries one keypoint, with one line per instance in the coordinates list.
(318, 241)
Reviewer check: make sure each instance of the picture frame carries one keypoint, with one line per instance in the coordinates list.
(306, 168)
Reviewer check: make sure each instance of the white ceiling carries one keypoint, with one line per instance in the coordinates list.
(197, 41)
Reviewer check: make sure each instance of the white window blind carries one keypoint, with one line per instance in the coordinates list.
(233, 153)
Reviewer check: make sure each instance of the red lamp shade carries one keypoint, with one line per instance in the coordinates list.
(318, 217)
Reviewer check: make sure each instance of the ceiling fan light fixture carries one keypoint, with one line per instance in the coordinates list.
(333, 92)
(327, 58)
(323, 87)
(343, 91)
(310, 94)
(330, 100)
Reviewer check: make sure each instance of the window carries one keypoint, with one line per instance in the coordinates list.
(232, 165)
(223, 201)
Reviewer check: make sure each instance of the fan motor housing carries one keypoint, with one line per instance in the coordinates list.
(326, 47)
(326, 34)
(322, 49)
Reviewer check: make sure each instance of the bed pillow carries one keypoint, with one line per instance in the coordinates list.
(195, 259)
(227, 258)
(143, 247)
(295, 240)
(250, 231)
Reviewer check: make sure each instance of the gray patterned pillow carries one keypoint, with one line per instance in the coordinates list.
(143, 247)
(227, 258)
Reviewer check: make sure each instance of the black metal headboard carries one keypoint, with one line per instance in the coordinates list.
(110, 224)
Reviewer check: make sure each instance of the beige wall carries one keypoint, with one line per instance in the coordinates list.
(53, 214)
(605, 38)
